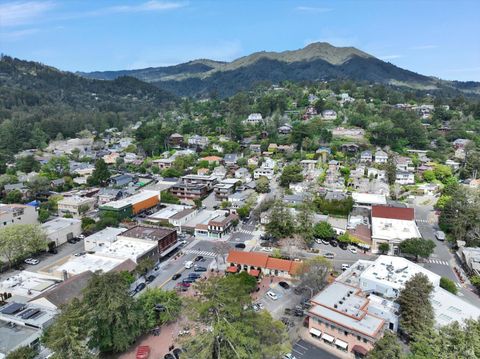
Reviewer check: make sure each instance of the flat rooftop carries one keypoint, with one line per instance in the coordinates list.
(138, 197)
(58, 224)
(88, 262)
(341, 304)
(27, 285)
(202, 217)
(394, 229)
(125, 249)
(168, 212)
(108, 234)
(449, 308)
(12, 338)
(148, 233)
(369, 198)
(75, 200)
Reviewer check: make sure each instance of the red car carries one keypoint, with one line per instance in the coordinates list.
(183, 284)
(143, 352)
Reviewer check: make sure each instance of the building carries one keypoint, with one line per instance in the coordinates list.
(164, 238)
(329, 115)
(366, 156)
(175, 214)
(59, 230)
(392, 225)
(100, 238)
(308, 165)
(121, 180)
(75, 206)
(470, 257)
(106, 195)
(198, 141)
(263, 172)
(368, 199)
(209, 181)
(344, 317)
(175, 140)
(253, 119)
(284, 129)
(230, 159)
(404, 178)
(164, 163)
(259, 264)
(189, 191)
(211, 159)
(17, 214)
(130, 206)
(381, 156)
(215, 224)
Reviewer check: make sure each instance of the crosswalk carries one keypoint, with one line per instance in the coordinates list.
(437, 261)
(422, 221)
(201, 253)
(246, 231)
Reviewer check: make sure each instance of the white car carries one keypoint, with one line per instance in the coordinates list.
(353, 250)
(272, 295)
(32, 261)
(289, 356)
(183, 242)
(440, 235)
(345, 267)
(188, 264)
(267, 249)
(329, 255)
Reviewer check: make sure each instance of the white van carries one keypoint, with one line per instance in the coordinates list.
(189, 264)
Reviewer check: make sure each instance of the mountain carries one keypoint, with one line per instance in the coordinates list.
(317, 61)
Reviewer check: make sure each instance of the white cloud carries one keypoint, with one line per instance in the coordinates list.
(424, 47)
(390, 57)
(23, 12)
(312, 9)
(149, 6)
(17, 35)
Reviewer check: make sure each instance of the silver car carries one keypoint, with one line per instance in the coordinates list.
(440, 235)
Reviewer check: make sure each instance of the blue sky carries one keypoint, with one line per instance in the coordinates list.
(437, 37)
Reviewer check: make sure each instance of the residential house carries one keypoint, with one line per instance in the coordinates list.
(253, 119)
(243, 174)
(106, 195)
(308, 165)
(238, 199)
(175, 140)
(75, 206)
(366, 156)
(111, 158)
(375, 173)
(460, 143)
(453, 164)
(285, 129)
(218, 147)
(272, 147)
(329, 115)
(224, 188)
(209, 181)
(198, 141)
(404, 178)
(17, 214)
(219, 172)
(212, 159)
(189, 191)
(230, 159)
(392, 225)
(263, 172)
(121, 180)
(381, 156)
(164, 163)
(349, 147)
(254, 148)
(404, 163)
(253, 161)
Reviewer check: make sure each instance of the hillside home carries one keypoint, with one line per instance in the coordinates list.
(329, 115)
(381, 156)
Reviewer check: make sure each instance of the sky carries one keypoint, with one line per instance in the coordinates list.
(436, 37)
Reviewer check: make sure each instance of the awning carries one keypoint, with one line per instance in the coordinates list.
(254, 272)
(169, 249)
(341, 344)
(232, 269)
(328, 338)
(359, 349)
(315, 332)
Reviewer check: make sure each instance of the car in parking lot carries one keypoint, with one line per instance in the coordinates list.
(440, 235)
(240, 245)
(353, 250)
(182, 284)
(80, 254)
(266, 249)
(284, 285)
(272, 295)
(188, 264)
(140, 287)
(188, 280)
(71, 240)
(199, 269)
(176, 276)
(194, 275)
(31, 261)
(329, 255)
(289, 356)
(183, 242)
(324, 241)
(334, 243)
(343, 245)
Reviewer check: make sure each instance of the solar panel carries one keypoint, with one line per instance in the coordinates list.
(29, 313)
(13, 308)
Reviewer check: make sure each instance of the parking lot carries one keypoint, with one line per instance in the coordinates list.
(305, 350)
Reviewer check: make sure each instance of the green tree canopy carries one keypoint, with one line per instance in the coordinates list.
(291, 173)
(448, 284)
(388, 347)
(100, 174)
(21, 240)
(262, 185)
(323, 230)
(281, 222)
(159, 306)
(417, 247)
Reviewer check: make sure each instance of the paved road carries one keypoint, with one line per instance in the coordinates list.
(305, 350)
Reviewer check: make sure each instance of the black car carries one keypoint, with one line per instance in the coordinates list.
(176, 276)
(334, 243)
(71, 240)
(240, 245)
(140, 287)
(198, 258)
(150, 278)
(284, 285)
(169, 356)
(199, 269)
(188, 280)
(343, 245)
(194, 275)
(177, 352)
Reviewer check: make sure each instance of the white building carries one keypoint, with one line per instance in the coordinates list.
(17, 214)
(75, 205)
(175, 214)
(254, 119)
(368, 199)
(197, 140)
(59, 230)
(101, 238)
(263, 172)
(392, 225)
(404, 178)
(329, 115)
(381, 156)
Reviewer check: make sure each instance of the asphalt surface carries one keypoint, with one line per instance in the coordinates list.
(305, 350)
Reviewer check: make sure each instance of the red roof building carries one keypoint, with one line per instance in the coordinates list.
(256, 263)
(405, 214)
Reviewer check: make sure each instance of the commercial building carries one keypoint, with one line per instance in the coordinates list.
(225, 188)
(130, 206)
(17, 214)
(209, 181)
(263, 172)
(25, 285)
(189, 191)
(59, 230)
(368, 199)
(75, 206)
(392, 225)
(175, 214)
(165, 239)
(215, 224)
(102, 238)
(258, 264)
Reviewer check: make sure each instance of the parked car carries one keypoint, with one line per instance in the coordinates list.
(199, 269)
(324, 241)
(440, 235)
(140, 287)
(272, 295)
(266, 249)
(188, 280)
(345, 267)
(177, 352)
(194, 275)
(329, 255)
(183, 242)
(182, 284)
(150, 278)
(71, 240)
(284, 285)
(31, 261)
(176, 276)
(334, 243)
(188, 264)
(199, 258)
(353, 250)
(240, 245)
(168, 356)
(289, 356)
(343, 245)
(143, 352)
(80, 254)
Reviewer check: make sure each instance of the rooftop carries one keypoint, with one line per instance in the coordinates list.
(168, 212)
(88, 262)
(369, 198)
(58, 224)
(108, 234)
(136, 198)
(125, 248)
(405, 214)
(25, 285)
(149, 233)
(394, 229)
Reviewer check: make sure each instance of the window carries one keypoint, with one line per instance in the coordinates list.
(358, 338)
(364, 340)
(346, 333)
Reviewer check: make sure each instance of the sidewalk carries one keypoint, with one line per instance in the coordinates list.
(305, 335)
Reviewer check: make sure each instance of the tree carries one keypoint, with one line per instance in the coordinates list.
(100, 174)
(113, 319)
(384, 248)
(14, 196)
(243, 211)
(429, 176)
(281, 222)
(144, 266)
(416, 312)
(224, 305)
(67, 336)
(475, 280)
(344, 238)
(27, 164)
(291, 174)
(22, 353)
(442, 172)
(262, 185)
(167, 197)
(159, 306)
(417, 247)
(449, 285)
(55, 168)
(323, 230)
(391, 170)
(388, 347)
(312, 273)
(304, 223)
(21, 240)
